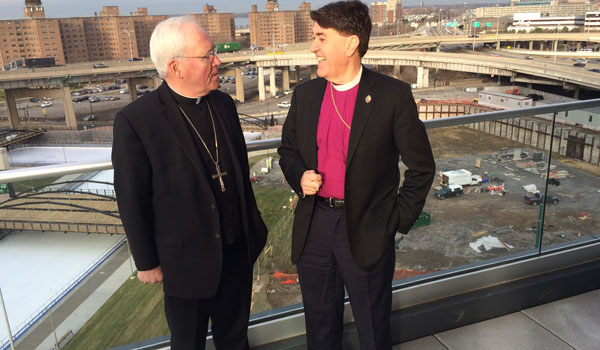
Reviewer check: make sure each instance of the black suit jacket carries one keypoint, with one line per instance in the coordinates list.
(164, 196)
(385, 126)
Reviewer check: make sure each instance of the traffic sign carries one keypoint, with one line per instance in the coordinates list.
(488, 24)
(476, 24)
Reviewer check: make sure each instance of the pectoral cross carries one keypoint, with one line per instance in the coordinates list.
(220, 175)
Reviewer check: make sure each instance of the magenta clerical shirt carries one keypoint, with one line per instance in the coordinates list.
(333, 137)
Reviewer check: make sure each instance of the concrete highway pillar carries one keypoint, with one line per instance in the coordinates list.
(422, 77)
(576, 93)
(313, 72)
(70, 120)
(285, 81)
(261, 84)
(4, 164)
(396, 71)
(555, 45)
(239, 84)
(13, 113)
(498, 45)
(529, 85)
(541, 46)
(578, 45)
(437, 47)
(296, 78)
(272, 85)
(499, 80)
(531, 45)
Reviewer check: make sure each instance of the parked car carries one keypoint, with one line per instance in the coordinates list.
(94, 99)
(89, 118)
(284, 104)
(45, 104)
(100, 65)
(143, 87)
(538, 198)
(76, 93)
(279, 95)
(112, 87)
(34, 100)
(123, 91)
(142, 92)
(288, 91)
(448, 191)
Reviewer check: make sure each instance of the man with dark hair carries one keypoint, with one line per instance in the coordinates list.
(342, 140)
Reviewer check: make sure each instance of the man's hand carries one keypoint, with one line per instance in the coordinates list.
(153, 276)
(311, 182)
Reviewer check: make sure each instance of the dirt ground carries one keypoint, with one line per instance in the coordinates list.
(458, 221)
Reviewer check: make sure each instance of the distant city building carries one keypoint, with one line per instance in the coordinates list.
(105, 36)
(555, 9)
(274, 27)
(530, 21)
(592, 21)
(386, 12)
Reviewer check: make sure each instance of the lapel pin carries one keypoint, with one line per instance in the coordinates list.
(368, 99)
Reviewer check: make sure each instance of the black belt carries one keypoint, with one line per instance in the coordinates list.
(332, 202)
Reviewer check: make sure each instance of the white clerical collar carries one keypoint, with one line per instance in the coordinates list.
(351, 84)
(198, 99)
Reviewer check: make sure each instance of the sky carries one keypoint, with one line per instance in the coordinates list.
(13, 9)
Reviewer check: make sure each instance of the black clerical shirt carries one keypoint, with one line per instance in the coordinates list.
(228, 202)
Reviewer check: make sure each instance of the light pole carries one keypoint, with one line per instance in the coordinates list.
(130, 47)
(10, 337)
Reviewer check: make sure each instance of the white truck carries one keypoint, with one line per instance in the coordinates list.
(460, 177)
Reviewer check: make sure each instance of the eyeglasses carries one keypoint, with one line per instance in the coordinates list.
(209, 55)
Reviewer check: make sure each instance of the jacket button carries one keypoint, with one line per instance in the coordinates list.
(217, 235)
(213, 206)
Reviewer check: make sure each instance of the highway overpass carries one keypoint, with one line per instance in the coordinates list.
(54, 82)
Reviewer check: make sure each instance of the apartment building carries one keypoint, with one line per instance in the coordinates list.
(274, 27)
(104, 37)
(386, 12)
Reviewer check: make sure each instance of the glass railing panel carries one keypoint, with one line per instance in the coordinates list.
(572, 203)
(474, 211)
(55, 232)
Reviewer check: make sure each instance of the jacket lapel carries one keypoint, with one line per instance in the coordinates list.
(313, 103)
(365, 98)
(172, 115)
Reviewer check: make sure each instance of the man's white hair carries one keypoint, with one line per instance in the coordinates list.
(168, 41)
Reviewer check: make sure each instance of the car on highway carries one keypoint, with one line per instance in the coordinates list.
(89, 118)
(100, 65)
(134, 59)
(448, 191)
(579, 64)
(528, 57)
(595, 70)
(45, 104)
(538, 198)
(284, 104)
(94, 99)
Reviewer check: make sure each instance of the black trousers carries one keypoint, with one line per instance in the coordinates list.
(325, 267)
(228, 310)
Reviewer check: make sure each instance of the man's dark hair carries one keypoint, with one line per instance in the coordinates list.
(348, 18)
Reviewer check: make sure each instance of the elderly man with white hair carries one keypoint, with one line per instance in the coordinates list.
(184, 193)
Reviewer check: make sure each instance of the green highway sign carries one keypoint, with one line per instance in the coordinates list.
(488, 24)
(476, 24)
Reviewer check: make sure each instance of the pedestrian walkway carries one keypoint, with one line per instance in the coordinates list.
(570, 323)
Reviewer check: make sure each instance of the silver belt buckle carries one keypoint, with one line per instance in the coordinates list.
(330, 200)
